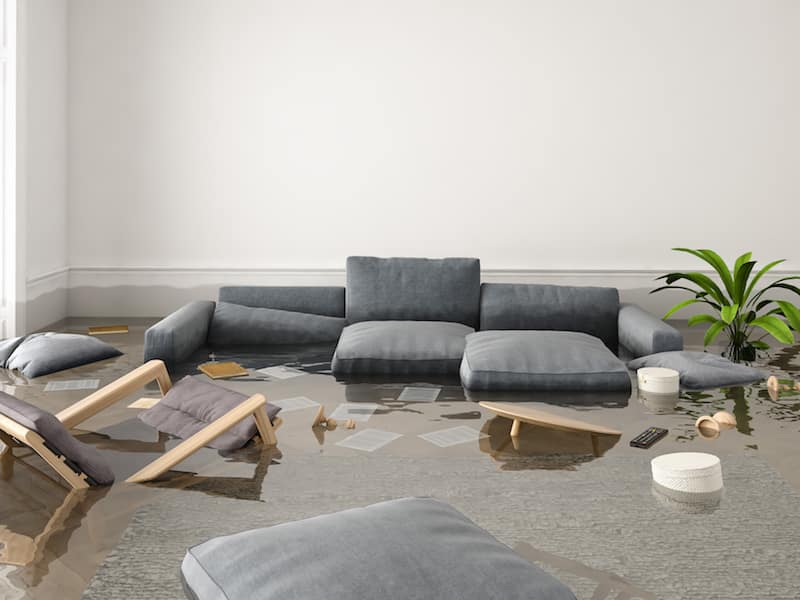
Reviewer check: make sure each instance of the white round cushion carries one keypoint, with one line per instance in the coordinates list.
(693, 472)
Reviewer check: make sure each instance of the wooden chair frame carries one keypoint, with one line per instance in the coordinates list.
(15, 435)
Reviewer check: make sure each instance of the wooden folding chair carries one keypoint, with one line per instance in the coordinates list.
(14, 434)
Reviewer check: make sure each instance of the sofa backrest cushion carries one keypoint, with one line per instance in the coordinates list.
(591, 310)
(316, 300)
(413, 289)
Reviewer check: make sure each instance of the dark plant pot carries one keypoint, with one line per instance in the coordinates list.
(740, 352)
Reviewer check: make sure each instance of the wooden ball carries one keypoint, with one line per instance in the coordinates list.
(707, 427)
(725, 419)
(773, 383)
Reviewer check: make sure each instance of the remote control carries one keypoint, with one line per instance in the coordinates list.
(648, 437)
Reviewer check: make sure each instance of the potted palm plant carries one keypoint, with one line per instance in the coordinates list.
(735, 305)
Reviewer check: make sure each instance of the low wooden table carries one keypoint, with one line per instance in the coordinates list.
(523, 414)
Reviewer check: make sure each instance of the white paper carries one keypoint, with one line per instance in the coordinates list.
(294, 403)
(445, 438)
(281, 372)
(419, 394)
(72, 384)
(359, 412)
(369, 440)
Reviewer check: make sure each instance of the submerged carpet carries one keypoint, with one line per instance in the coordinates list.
(601, 529)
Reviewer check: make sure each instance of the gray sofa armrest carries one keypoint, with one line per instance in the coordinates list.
(642, 333)
(178, 335)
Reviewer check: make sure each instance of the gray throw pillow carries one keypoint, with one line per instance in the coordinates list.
(700, 370)
(413, 548)
(44, 353)
(88, 459)
(193, 404)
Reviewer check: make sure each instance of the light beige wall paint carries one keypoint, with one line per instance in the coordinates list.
(534, 134)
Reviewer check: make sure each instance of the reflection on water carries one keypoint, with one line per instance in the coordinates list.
(540, 447)
(688, 502)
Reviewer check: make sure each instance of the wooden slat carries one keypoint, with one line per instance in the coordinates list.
(539, 417)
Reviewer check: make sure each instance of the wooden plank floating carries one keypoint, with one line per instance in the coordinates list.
(107, 329)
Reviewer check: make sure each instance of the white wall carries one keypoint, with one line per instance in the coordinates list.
(555, 135)
(42, 155)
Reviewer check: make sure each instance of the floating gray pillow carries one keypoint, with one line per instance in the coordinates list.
(44, 353)
(87, 458)
(235, 325)
(700, 370)
(193, 404)
(413, 548)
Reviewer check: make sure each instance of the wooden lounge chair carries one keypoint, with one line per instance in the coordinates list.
(24, 425)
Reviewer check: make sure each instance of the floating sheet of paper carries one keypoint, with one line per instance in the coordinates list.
(419, 394)
(144, 403)
(295, 403)
(281, 372)
(72, 384)
(445, 438)
(369, 440)
(356, 411)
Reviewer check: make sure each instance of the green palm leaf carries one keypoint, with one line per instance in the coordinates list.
(701, 280)
(679, 306)
(740, 281)
(791, 312)
(760, 274)
(713, 332)
(715, 260)
(728, 313)
(740, 261)
(695, 319)
(775, 327)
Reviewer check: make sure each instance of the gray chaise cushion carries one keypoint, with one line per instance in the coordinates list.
(700, 370)
(409, 549)
(193, 404)
(236, 325)
(591, 310)
(177, 336)
(317, 300)
(400, 348)
(413, 289)
(541, 361)
(87, 458)
(641, 333)
(44, 353)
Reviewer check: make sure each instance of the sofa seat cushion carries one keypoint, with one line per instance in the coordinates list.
(699, 370)
(400, 348)
(541, 361)
(43, 353)
(235, 325)
(193, 404)
(412, 548)
(87, 458)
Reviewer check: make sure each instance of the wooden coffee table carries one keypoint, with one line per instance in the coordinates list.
(523, 414)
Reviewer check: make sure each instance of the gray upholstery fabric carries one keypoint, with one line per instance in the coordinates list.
(235, 325)
(591, 310)
(44, 353)
(7, 348)
(177, 336)
(400, 348)
(58, 439)
(409, 549)
(413, 289)
(641, 333)
(700, 370)
(317, 300)
(193, 404)
(541, 360)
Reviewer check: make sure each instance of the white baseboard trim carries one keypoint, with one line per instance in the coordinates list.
(105, 291)
(46, 298)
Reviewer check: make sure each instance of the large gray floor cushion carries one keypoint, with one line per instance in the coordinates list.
(409, 549)
(87, 458)
(44, 353)
(192, 404)
(413, 289)
(237, 325)
(541, 361)
(700, 370)
(400, 348)
(591, 310)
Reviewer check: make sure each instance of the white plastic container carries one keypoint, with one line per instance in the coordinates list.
(658, 380)
(692, 472)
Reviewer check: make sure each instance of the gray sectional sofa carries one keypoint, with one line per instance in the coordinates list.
(418, 317)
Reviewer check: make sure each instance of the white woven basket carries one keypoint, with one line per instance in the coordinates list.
(692, 472)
